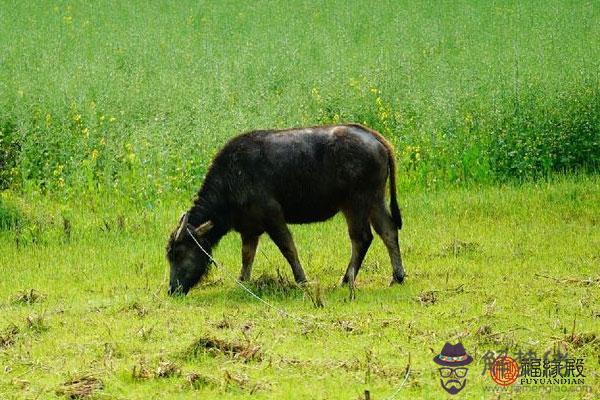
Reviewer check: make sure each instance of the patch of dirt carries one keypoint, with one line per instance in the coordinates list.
(577, 340)
(244, 352)
(28, 297)
(9, 336)
(427, 298)
(81, 387)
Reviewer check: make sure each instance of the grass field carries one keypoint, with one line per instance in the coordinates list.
(110, 113)
(498, 267)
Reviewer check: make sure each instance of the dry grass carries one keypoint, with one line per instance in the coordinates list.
(9, 336)
(80, 387)
(239, 351)
(28, 297)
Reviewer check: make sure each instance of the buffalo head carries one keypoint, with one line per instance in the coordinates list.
(188, 262)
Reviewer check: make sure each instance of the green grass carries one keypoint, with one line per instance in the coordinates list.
(521, 256)
(110, 113)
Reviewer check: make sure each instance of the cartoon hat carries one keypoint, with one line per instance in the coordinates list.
(453, 356)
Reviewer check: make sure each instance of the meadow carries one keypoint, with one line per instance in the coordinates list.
(513, 267)
(110, 113)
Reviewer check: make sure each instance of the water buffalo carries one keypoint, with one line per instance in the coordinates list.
(263, 180)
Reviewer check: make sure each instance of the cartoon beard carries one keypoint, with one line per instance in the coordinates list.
(453, 386)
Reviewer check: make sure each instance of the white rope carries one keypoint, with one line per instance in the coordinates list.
(391, 396)
(247, 289)
(279, 310)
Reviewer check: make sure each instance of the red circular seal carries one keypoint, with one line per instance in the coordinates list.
(504, 371)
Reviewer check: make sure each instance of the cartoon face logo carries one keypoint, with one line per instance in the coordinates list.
(452, 370)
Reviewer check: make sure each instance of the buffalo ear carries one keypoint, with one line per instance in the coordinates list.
(203, 228)
(183, 221)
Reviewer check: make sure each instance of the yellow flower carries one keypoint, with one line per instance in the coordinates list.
(469, 119)
(58, 170)
(68, 19)
(315, 93)
(77, 117)
(374, 90)
(86, 132)
(94, 154)
(112, 119)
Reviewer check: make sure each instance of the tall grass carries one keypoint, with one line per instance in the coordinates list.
(135, 97)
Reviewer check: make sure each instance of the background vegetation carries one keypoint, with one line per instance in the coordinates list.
(110, 113)
(137, 97)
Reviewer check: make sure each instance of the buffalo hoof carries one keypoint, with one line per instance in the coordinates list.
(304, 283)
(397, 279)
(346, 281)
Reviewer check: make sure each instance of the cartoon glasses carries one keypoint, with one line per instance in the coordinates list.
(448, 372)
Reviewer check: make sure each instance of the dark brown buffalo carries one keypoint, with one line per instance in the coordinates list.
(263, 180)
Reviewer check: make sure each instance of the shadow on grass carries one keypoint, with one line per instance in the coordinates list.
(280, 290)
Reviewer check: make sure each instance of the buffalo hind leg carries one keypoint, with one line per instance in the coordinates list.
(249, 243)
(361, 238)
(386, 228)
(281, 235)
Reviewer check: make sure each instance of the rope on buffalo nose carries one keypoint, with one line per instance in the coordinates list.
(247, 289)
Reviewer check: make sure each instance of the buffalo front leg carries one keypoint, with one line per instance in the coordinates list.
(249, 243)
(386, 228)
(281, 235)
